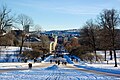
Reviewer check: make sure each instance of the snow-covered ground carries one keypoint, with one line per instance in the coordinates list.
(10, 53)
(53, 73)
(14, 65)
(108, 55)
(101, 68)
(5, 66)
(60, 73)
(12, 48)
(66, 58)
(48, 58)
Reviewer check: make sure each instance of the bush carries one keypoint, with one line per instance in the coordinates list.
(90, 57)
(31, 54)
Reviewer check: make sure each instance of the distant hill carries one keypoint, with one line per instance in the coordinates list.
(70, 32)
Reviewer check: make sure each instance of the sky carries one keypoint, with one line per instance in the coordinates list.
(60, 14)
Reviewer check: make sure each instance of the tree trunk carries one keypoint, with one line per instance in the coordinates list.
(21, 46)
(105, 55)
(111, 55)
(96, 56)
(115, 58)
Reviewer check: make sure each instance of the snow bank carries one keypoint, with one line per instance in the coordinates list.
(68, 59)
(12, 48)
(48, 58)
(54, 67)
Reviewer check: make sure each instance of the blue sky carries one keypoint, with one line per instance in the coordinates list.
(60, 14)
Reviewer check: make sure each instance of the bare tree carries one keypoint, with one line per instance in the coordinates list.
(24, 21)
(5, 19)
(44, 41)
(89, 36)
(104, 41)
(109, 20)
(38, 28)
(7, 39)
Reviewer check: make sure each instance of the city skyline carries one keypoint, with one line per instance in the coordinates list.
(60, 14)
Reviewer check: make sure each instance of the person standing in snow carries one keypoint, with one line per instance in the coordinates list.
(30, 65)
(50, 61)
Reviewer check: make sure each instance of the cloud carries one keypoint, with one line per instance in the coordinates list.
(78, 10)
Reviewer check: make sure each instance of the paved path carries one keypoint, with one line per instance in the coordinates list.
(25, 66)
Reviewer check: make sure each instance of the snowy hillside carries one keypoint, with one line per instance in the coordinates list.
(66, 58)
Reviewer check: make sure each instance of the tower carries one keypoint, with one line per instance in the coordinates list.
(26, 28)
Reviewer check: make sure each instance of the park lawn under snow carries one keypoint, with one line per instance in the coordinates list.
(109, 68)
(102, 67)
(53, 73)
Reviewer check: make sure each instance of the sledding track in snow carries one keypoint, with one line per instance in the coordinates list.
(53, 73)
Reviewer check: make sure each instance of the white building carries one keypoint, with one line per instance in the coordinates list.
(53, 44)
